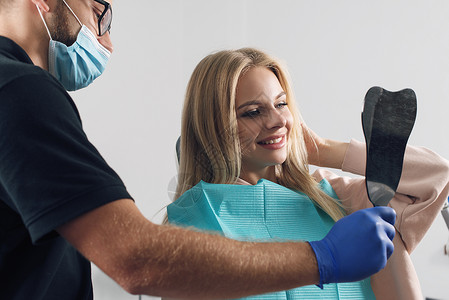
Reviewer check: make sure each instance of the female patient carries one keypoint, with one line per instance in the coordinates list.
(244, 173)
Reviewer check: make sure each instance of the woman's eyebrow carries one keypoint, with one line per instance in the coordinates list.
(252, 102)
(257, 102)
(281, 94)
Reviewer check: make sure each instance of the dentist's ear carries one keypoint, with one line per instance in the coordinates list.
(42, 4)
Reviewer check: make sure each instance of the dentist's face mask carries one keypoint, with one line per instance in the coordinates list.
(78, 65)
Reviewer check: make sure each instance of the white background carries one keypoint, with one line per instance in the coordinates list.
(335, 51)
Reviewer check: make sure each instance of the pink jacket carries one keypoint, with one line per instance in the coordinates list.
(422, 191)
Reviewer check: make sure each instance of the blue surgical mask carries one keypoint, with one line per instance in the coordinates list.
(78, 65)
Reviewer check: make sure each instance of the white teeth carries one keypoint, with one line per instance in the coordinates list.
(272, 141)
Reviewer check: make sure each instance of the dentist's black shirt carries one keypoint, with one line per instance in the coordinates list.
(49, 174)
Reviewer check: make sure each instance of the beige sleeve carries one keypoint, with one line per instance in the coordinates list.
(422, 190)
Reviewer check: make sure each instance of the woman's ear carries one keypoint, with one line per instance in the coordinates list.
(42, 5)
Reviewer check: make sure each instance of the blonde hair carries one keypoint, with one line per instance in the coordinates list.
(210, 146)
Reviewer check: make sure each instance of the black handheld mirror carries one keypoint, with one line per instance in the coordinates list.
(387, 121)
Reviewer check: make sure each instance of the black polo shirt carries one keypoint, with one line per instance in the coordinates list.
(49, 174)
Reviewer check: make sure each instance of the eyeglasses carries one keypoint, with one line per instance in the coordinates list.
(105, 19)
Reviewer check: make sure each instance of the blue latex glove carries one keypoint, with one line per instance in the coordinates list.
(357, 246)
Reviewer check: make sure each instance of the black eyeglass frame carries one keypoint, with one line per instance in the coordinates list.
(107, 7)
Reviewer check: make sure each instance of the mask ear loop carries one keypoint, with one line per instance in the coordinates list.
(45, 24)
(81, 24)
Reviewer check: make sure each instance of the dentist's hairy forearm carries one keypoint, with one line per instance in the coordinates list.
(162, 260)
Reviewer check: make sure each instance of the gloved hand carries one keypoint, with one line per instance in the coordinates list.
(357, 246)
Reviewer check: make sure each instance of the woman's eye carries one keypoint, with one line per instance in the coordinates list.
(281, 105)
(251, 114)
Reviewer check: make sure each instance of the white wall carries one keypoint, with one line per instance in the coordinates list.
(335, 51)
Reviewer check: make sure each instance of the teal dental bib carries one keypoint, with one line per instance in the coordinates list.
(264, 212)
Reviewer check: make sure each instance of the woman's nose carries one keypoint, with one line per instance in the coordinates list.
(275, 119)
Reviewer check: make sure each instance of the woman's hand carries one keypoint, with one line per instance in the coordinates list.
(323, 152)
(314, 144)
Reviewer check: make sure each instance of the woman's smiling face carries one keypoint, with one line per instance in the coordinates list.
(264, 120)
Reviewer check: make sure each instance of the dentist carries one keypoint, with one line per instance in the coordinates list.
(62, 207)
